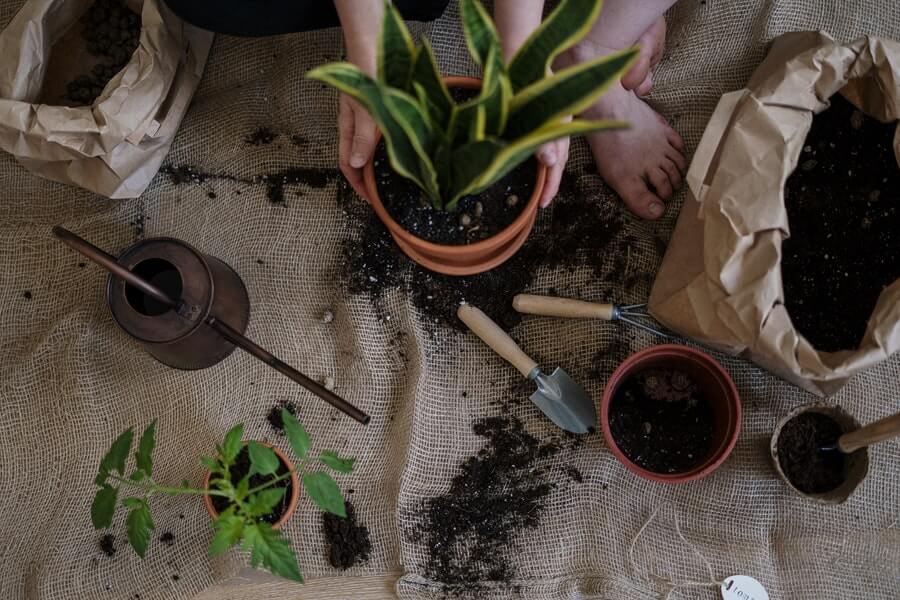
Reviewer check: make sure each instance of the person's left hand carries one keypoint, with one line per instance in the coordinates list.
(554, 156)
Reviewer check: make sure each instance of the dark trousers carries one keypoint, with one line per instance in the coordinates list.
(274, 17)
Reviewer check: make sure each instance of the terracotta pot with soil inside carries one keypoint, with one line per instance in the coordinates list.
(283, 511)
(670, 414)
(828, 476)
(484, 231)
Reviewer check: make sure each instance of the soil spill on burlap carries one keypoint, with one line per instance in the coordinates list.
(347, 539)
(470, 531)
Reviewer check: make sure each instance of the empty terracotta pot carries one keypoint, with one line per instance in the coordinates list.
(467, 259)
(717, 387)
(857, 464)
(292, 500)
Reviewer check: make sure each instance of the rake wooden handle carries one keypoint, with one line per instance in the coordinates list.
(498, 340)
(550, 306)
(878, 431)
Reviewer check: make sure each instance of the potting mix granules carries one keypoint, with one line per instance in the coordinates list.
(252, 180)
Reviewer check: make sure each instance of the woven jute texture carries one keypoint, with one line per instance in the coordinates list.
(70, 380)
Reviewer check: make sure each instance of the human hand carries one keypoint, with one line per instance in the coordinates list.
(357, 142)
(554, 156)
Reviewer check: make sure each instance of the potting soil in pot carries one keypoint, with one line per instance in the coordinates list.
(811, 470)
(111, 32)
(476, 218)
(661, 421)
(843, 204)
(240, 468)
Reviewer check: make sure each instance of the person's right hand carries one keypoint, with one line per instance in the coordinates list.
(357, 141)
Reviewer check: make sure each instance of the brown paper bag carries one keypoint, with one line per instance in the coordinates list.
(116, 146)
(720, 281)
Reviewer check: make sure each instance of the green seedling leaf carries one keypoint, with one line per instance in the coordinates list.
(242, 488)
(296, 434)
(185, 484)
(231, 446)
(270, 548)
(103, 507)
(137, 475)
(115, 457)
(132, 502)
(143, 458)
(228, 532)
(263, 460)
(139, 525)
(209, 463)
(325, 493)
(264, 502)
(332, 460)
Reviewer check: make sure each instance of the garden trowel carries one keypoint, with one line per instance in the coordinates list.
(557, 395)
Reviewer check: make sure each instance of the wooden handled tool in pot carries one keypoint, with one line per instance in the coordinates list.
(557, 395)
(550, 306)
(879, 431)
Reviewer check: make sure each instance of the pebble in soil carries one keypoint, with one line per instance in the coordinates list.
(809, 469)
(240, 468)
(660, 420)
(843, 205)
(348, 540)
(470, 531)
(112, 33)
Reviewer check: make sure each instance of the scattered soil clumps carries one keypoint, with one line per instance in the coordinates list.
(347, 539)
(167, 538)
(107, 544)
(503, 489)
(112, 32)
(240, 468)
(661, 421)
(274, 416)
(809, 469)
(260, 136)
(843, 204)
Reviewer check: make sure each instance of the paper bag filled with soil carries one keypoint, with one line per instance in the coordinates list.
(721, 281)
(91, 94)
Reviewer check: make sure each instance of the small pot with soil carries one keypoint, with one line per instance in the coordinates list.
(670, 414)
(283, 510)
(827, 477)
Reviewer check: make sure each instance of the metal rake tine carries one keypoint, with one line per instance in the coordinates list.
(631, 306)
(645, 327)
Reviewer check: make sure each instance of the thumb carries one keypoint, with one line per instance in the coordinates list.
(363, 145)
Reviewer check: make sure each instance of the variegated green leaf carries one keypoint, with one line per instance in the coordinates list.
(362, 88)
(479, 30)
(426, 74)
(414, 122)
(395, 51)
(562, 28)
(568, 92)
(494, 94)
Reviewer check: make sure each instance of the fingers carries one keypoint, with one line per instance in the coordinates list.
(347, 119)
(363, 138)
(548, 154)
(555, 172)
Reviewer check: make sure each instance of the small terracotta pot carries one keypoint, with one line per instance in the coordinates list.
(717, 387)
(295, 490)
(466, 259)
(857, 462)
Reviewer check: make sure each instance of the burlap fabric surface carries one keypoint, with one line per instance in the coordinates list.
(70, 380)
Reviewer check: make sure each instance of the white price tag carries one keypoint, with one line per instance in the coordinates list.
(742, 587)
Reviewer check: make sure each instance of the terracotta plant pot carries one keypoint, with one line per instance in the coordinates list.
(467, 259)
(857, 462)
(716, 385)
(292, 502)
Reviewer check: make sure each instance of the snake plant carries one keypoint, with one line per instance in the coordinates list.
(452, 150)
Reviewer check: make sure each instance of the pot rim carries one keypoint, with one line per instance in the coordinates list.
(502, 236)
(718, 456)
(295, 487)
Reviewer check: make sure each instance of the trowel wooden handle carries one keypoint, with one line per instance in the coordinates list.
(499, 341)
(878, 431)
(550, 306)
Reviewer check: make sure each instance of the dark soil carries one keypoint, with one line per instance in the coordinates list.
(107, 544)
(843, 204)
(239, 469)
(348, 540)
(112, 32)
(475, 218)
(274, 416)
(503, 489)
(275, 182)
(809, 469)
(577, 230)
(27, 295)
(661, 421)
(167, 538)
(261, 136)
